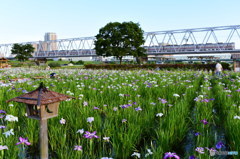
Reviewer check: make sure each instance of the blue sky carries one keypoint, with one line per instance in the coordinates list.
(28, 20)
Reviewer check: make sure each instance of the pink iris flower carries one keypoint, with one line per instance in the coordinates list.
(23, 141)
(90, 135)
(171, 155)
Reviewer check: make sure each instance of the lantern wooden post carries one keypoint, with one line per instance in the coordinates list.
(42, 104)
(43, 139)
(43, 128)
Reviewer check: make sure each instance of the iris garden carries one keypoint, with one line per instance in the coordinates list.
(124, 114)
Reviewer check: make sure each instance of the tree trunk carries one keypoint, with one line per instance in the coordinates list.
(138, 60)
(120, 58)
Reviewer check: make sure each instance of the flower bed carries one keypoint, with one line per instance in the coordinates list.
(124, 114)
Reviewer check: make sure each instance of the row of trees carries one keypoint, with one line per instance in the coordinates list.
(114, 39)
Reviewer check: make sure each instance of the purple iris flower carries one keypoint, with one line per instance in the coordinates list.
(238, 90)
(78, 148)
(197, 133)
(200, 150)
(95, 108)
(210, 149)
(129, 105)
(24, 91)
(205, 100)
(163, 101)
(2, 112)
(192, 157)
(196, 99)
(204, 121)
(124, 106)
(2, 127)
(138, 109)
(170, 155)
(23, 141)
(219, 145)
(89, 135)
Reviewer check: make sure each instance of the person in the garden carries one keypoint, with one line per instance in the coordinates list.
(53, 75)
(218, 69)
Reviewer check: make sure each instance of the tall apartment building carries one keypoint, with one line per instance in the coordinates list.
(46, 45)
(50, 36)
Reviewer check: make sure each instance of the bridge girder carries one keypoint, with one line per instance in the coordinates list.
(176, 41)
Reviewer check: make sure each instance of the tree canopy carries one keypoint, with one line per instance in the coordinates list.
(120, 39)
(23, 52)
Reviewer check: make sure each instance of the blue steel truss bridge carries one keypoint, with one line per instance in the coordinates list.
(209, 40)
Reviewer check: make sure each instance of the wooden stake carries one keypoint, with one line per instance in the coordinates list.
(43, 139)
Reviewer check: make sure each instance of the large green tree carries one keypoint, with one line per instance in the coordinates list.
(23, 52)
(120, 39)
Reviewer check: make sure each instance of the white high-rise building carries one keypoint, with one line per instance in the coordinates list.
(49, 36)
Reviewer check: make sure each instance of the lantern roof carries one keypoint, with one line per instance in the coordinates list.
(3, 59)
(41, 96)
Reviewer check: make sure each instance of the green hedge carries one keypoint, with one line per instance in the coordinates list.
(155, 66)
(54, 64)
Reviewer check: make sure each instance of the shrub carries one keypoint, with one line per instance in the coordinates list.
(226, 66)
(54, 64)
(80, 62)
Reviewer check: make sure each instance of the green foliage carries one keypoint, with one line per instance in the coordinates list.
(120, 39)
(23, 52)
(54, 64)
(207, 67)
(80, 62)
(22, 64)
(226, 66)
(30, 64)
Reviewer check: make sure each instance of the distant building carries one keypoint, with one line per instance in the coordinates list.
(50, 36)
(45, 45)
(35, 46)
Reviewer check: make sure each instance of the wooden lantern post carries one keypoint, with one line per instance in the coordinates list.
(42, 104)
